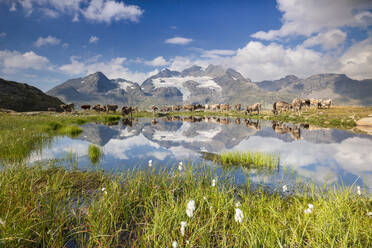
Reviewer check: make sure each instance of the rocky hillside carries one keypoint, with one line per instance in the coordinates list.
(22, 97)
(213, 84)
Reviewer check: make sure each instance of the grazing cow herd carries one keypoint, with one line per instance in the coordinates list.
(278, 107)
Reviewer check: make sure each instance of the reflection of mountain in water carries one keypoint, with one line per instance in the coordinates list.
(209, 133)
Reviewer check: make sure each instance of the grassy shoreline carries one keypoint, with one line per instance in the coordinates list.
(52, 207)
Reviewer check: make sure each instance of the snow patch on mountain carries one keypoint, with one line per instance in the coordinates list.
(126, 86)
(178, 82)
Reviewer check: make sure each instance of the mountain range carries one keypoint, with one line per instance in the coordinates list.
(214, 84)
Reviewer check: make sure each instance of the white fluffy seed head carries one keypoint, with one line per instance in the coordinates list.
(214, 182)
(308, 211)
(285, 188)
(183, 225)
(150, 163)
(239, 216)
(174, 244)
(311, 206)
(190, 208)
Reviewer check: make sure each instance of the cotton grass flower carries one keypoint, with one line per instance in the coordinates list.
(285, 188)
(239, 216)
(2, 222)
(174, 244)
(309, 209)
(150, 163)
(190, 208)
(359, 192)
(180, 166)
(183, 225)
(104, 190)
(214, 182)
(369, 214)
(238, 204)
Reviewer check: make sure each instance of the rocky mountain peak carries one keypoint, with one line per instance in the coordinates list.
(215, 71)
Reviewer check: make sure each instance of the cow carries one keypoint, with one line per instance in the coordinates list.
(280, 106)
(297, 104)
(112, 108)
(325, 103)
(189, 107)
(125, 110)
(154, 108)
(166, 109)
(85, 107)
(224, 107)
(199, 106)
(306, 102)
(254, 107)
(315, 102)
(68, 107)
(99, 108)
(176, 108)
(238, 107)
(214, 107)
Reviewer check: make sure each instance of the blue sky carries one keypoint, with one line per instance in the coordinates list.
(45, 42)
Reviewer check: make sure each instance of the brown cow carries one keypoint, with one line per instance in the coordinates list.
(280, 106)
(189, 107)
(85, 107)
(238, 107)
(110, 107)
(125, 110)
(154, 108)
(99, 108)
(214, 107)
(224, 107)
(68, 107)
(254, 107)
(176, 108)
(297, 104)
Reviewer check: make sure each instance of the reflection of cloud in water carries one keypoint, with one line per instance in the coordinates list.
(318, 161)
(123, 149)
(180, 134)
(60, 148)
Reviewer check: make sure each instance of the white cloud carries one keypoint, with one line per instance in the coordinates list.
(309, 17)
(112, 69)
(107, 10)
(93, 10)
(50, 40)
(65, 45)
(178, 41)
(93, 39)
(356, 62)
(13, 7)
(328, 40)
(50, 13)
(215, 53)
(2, 35)
(158, 61)
(12, 61)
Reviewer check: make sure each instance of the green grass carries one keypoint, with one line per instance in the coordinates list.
(70, 130)
(95, 153)
(51, 206)
(248, 159)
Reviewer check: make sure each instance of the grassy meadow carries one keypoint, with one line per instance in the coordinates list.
(52, 206)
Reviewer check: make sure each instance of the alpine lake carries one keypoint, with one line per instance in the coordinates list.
(324, 156)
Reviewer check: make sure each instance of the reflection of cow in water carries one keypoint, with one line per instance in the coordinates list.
(282, 128)
(255, 124)
(125, 110)
(154, 122)
(127, 122)
(192, 119)
(237, 121)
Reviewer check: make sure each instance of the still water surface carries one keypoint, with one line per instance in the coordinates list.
(321, 155)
